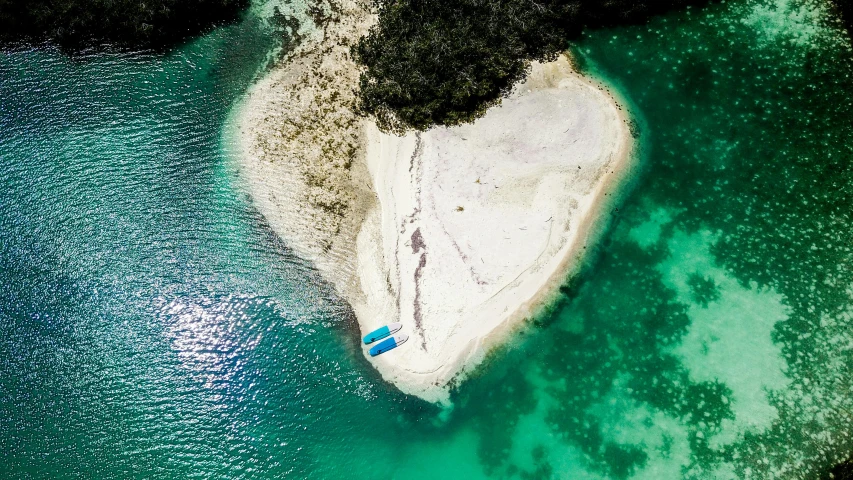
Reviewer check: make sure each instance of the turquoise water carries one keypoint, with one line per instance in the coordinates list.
(151, 325)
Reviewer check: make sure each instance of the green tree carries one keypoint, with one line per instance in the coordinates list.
(445, 62)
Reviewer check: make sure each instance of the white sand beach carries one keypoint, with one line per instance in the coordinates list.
(459, 233)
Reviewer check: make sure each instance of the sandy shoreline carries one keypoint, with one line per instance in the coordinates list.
(458, 233)
(480, 224)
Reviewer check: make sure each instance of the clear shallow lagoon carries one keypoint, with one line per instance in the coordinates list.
(152, 326)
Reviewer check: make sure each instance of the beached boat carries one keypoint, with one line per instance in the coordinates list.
(388, 344)
(382, 332)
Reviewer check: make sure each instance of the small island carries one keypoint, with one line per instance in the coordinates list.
(459, 233)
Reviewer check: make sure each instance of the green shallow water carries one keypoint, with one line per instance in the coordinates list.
(151, 325)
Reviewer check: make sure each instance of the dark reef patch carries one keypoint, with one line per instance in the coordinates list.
(845, 7)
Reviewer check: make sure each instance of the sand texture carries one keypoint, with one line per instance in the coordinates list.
(459, 233)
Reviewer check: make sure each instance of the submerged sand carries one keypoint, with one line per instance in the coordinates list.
(458, 233)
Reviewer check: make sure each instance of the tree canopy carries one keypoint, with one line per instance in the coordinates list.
(845, 7)
(76, 24)
(444, 62)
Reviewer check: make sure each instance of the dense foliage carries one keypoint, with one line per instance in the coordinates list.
(444, 62)
(842, 471)
(74, 24)
(846, 9)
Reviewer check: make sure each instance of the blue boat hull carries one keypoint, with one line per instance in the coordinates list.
(382, 332)
(377, 334)
(388, 344)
